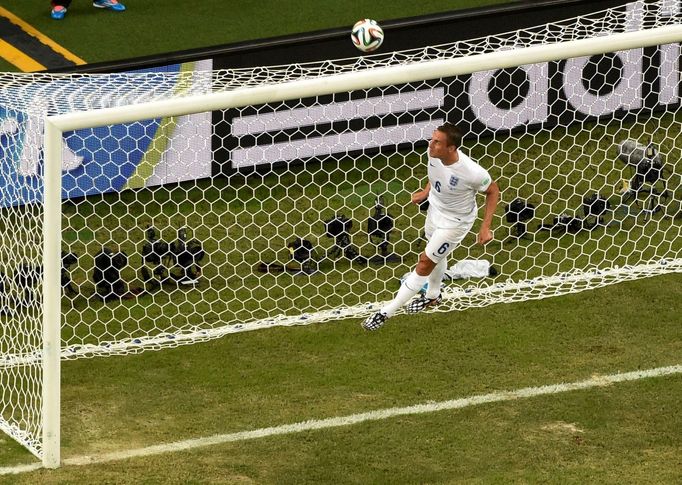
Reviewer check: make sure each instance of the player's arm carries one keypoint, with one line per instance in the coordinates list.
(422, 195)
(492, 196)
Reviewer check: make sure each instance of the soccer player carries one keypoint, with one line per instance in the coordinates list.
(454, 179)
(59, 7)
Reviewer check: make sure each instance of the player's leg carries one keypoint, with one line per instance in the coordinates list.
(435, 279)
(410, 287)
(440, 244)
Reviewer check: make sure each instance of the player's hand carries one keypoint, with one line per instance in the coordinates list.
(485, 236)
(419, 197)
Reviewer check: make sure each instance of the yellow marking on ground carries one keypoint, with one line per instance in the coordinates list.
(19, 59)
(29, 29)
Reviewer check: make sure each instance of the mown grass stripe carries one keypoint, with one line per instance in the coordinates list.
(380, 414)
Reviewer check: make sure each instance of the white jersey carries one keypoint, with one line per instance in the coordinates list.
(452, 199)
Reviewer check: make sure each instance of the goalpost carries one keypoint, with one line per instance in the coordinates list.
(578, 121)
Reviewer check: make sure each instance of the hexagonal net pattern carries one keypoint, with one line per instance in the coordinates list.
(187, 225)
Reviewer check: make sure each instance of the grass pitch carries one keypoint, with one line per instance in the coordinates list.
(617, 433)
(625, 433)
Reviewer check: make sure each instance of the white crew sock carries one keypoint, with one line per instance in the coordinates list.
(435, 279)
(410, 287)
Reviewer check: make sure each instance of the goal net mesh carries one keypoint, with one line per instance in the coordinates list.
(190, 227)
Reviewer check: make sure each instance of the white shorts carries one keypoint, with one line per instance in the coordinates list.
(442, 241)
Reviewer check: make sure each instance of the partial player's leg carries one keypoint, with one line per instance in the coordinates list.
(441, 243)
(410, 287)
(432, 296)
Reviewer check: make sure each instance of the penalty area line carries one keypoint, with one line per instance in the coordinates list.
(380, 414)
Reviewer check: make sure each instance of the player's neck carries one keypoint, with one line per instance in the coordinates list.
(451, 160)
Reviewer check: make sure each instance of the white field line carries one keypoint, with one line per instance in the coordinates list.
(595, 381)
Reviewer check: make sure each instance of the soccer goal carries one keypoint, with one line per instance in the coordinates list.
(149, 210)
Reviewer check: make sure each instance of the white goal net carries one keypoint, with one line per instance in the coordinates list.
(196, 204)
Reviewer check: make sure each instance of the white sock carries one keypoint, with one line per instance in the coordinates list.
(435, 279)
(410, 287)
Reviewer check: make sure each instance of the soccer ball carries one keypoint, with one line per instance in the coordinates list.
(367, 35)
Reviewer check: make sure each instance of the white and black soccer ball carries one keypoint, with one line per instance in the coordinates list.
(367, 35)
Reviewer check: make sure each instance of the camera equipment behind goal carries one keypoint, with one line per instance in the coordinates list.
(646, 187)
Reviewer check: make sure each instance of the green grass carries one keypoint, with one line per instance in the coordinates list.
(624, 433)
(615, 434)
(98, 36)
